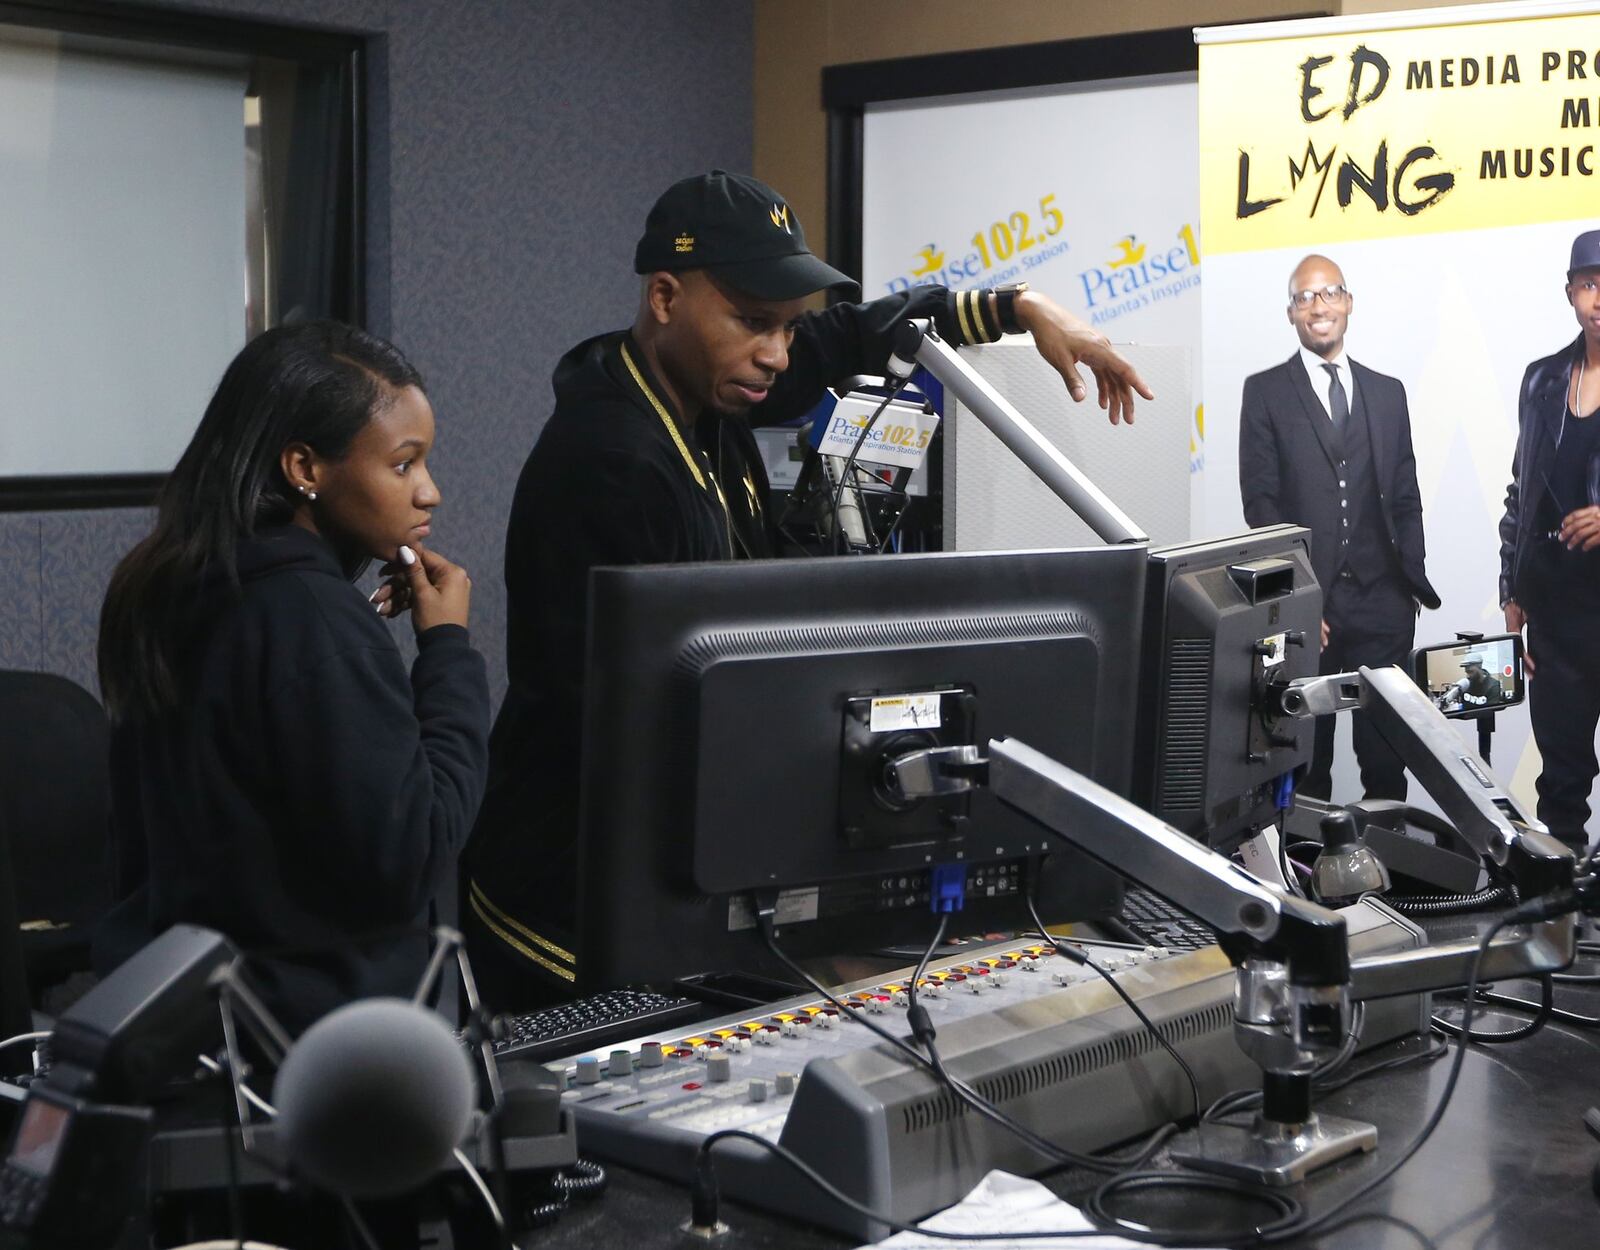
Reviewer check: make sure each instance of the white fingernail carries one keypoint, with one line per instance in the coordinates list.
(407, 556)
(373, 595)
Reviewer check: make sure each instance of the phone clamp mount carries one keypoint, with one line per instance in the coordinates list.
(1485, 718)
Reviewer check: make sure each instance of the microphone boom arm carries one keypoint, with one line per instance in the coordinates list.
(917, 341)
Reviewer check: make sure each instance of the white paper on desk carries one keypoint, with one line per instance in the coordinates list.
(1003, 1203)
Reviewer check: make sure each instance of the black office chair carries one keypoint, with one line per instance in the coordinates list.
(55, 805)
(16, 1003)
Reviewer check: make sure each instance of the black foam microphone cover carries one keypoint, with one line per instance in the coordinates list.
(373, 1098)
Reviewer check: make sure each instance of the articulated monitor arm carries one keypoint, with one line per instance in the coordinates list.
(1295, 954)
(1295, 979)
(1490, 820)
(1251, 918)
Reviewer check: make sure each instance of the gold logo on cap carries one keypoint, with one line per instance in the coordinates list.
(780, 217)
(683, 243)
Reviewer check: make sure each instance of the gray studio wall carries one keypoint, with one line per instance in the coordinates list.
(524, 141)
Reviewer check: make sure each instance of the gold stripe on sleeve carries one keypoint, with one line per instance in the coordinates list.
(479, 897)
(961, 318)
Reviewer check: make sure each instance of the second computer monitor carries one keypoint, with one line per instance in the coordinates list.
(1226, 621)
(738, 720)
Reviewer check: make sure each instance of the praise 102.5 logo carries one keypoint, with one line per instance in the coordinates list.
(1135, 274)
(1000, 252)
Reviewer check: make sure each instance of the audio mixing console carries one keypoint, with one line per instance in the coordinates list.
(1042, 1037)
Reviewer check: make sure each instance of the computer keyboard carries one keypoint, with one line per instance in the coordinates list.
(1157, 922)
(611, 1016)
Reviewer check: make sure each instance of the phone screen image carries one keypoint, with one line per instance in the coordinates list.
(1472, 677)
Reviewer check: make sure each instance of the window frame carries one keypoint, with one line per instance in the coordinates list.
(352, 51)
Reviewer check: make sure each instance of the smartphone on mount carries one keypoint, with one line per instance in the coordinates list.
(1469, 678)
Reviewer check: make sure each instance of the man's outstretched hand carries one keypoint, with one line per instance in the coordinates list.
(1067, 342)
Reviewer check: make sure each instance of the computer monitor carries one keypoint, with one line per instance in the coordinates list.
(1224, 619)
(737, 721)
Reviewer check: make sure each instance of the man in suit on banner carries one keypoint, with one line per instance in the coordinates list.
(1326, 443)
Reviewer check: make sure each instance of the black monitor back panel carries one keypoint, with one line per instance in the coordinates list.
(1222, 618)
(737, 721)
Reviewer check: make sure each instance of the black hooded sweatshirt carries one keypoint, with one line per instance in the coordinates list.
(616, 479)
(305, 798)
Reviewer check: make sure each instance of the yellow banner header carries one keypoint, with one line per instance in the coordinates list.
(1391, 134)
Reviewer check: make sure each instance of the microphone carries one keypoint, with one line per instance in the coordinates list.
(373, 1098)
(851, 504)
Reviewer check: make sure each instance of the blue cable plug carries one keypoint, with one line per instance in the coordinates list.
(948, 888)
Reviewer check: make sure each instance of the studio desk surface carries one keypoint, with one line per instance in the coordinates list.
(1509, 1167)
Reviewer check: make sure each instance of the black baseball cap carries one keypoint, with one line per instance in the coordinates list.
(741, 230)
(1585, 252)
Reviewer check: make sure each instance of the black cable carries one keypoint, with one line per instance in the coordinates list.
(923, 1031)
(1340, 1208)
(230, 1126)
(1322, 1079)
(1245, 1099)
(855, 450)
(584, 1178)
(1546, 1008)
(543, 1212)
(1141, 1155)
(916, 1016)
(1451, 904)
(905, 506)
(1290, 1212)
(899, 1043)
(1081, 957)
(1383, 1217)
(1281, 822)
(494, 1137)
(1283, 1230)
(706, 1201)
(1556, 1013)
(1437, 1050)
(580, 1181)
(964, 1092)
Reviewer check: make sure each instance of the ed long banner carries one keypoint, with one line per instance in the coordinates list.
(1444, 160)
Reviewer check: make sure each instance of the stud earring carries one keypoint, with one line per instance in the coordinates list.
(311, 495)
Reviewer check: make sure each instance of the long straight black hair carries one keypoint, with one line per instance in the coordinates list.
(316, 383)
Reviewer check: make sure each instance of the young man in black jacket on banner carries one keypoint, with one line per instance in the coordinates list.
(1550, 552)
(648, 458)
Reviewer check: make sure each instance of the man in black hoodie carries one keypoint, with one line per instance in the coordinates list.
(648, 458)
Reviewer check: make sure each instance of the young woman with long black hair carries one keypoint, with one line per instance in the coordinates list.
(276, 774)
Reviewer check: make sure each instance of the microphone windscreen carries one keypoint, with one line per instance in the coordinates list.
(373, 1098)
